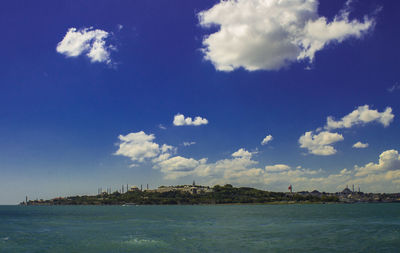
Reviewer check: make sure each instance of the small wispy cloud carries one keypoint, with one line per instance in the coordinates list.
(161, 126)
(187, 143)
(267, 139)
(360, 145)
(395, 87)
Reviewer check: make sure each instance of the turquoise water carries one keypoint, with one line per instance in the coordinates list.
(228, 228)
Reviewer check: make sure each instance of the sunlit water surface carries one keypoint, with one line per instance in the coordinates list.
(225, 228)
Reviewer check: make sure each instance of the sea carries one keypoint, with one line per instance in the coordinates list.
(201, 228)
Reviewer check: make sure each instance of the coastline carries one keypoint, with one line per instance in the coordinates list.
(218, 195)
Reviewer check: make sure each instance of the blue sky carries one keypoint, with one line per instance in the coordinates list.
(93, 106)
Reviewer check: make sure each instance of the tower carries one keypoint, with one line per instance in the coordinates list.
(353, 188)
(194, 183)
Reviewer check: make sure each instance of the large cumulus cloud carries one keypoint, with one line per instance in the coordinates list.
(271, 34)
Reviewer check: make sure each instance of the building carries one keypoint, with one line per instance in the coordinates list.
(346, 191)
(134, 189)
(192, 189)
(315, 193)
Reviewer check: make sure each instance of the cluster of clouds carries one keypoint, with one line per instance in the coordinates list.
(388, 167)
(181, 120)
(257, 35)
(242, 168)
(88, 41)
(141, 147)
(320, 141)
(271, 34)
(381, 176)
(253, 34)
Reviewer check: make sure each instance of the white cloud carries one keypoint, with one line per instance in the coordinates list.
(87, 40)
(161, 157)
(281, 175)
(361, 115)
(179, 166)
(243, 153)
(240, 169)
(237, 169)
(360, 145)
(395, 87)
(180, 120)
(383, 176)
(188, 143)
(161, 126)
(167, 148)
(321, 143)
(277, 167)
(388, 160)
(225, 170)
(267, 139)
(271, 34)
(140, 146)
(237, 163)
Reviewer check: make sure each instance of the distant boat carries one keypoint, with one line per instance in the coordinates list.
(129, 204)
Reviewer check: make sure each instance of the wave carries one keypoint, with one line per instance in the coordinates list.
(143, 242)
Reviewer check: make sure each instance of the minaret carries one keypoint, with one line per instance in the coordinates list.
(353, 188)
(141, 188)
(147, 186)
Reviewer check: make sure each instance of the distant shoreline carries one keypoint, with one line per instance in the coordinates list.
(224, 204)
(217, 195)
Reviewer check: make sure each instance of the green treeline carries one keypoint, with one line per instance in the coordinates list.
(226, 194)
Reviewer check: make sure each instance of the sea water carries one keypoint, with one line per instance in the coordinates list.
(209, 228)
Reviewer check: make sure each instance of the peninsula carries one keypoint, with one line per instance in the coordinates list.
(227, 194)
